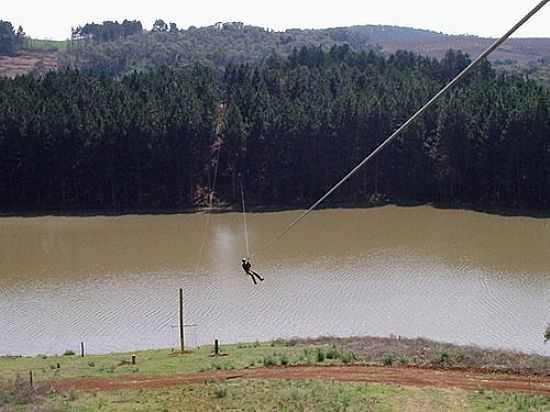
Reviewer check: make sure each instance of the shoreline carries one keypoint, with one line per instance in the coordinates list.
(413, 352)
(275, 208)
(264, 376)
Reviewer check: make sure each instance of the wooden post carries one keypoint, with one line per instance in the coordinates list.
(133, 359)
(30, 378)
(182, 342)
(216, 347)
(82, 349)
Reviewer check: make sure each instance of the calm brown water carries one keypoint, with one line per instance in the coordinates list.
(112, 282)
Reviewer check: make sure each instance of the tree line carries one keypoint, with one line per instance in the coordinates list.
(288, 128)
(107, 31)
(217, 46)
(10, 40)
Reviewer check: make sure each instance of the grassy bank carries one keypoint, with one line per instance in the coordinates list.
(266, 394)
(167, 362)
(324, 350)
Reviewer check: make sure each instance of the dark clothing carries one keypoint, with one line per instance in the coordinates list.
(247, 268)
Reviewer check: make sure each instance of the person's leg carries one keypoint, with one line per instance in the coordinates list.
(258, 276)
(253, 280)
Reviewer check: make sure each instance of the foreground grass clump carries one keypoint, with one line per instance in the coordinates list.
(264, 395)
(483, 401)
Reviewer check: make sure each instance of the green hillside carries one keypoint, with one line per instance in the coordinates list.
(230, 43)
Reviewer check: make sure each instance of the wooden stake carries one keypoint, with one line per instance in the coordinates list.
(82, 349)
(182, 337)
(30, 378)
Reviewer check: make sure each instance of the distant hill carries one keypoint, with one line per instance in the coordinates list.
(530, 55)
(434, 44)
(226, 43)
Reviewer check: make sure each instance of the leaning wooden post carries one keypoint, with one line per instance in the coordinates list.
(182, 343)
(82, 349)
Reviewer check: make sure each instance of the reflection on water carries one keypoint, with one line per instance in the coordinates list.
(112, 282)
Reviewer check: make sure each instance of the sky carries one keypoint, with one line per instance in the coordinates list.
(488, 18)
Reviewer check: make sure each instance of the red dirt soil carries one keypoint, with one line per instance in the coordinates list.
(438, 378)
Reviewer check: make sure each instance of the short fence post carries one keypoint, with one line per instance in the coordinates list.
(182, 336)
(216, 347)
(30, 378)
(133, 359)
(82, 349)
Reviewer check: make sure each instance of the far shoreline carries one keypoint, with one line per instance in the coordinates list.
(276, 208)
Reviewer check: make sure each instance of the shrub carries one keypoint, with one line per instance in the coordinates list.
(21, 394)
(444, 358)
(388, 359)
(284, 360)
(220, 391)
(333, 353)
(320, 355)
(347, 357)
(269, 361)
(69, 352)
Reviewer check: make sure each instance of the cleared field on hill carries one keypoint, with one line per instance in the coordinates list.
(27, 61)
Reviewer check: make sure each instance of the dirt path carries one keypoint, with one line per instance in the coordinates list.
(365, 374)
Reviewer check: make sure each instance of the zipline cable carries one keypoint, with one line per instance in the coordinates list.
(405, 125)
(244, 221)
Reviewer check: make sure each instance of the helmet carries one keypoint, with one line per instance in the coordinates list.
(244, 260)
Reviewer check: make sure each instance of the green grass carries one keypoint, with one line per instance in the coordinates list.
(166, 362)
(280, 395)
(45, 44)
(484, 401)
(256, 395)
(238, 395)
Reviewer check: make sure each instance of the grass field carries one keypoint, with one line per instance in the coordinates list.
(45, 44)
(256, 394)
(284, 395)
(166, 362)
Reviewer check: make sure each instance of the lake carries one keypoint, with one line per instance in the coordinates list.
(112, 282)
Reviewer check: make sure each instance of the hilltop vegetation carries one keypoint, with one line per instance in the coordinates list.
(216, 46)
(10, 40)
(292, 127)
(236, 43)
(115, 49)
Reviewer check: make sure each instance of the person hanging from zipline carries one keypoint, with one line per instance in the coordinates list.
(247, 267)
